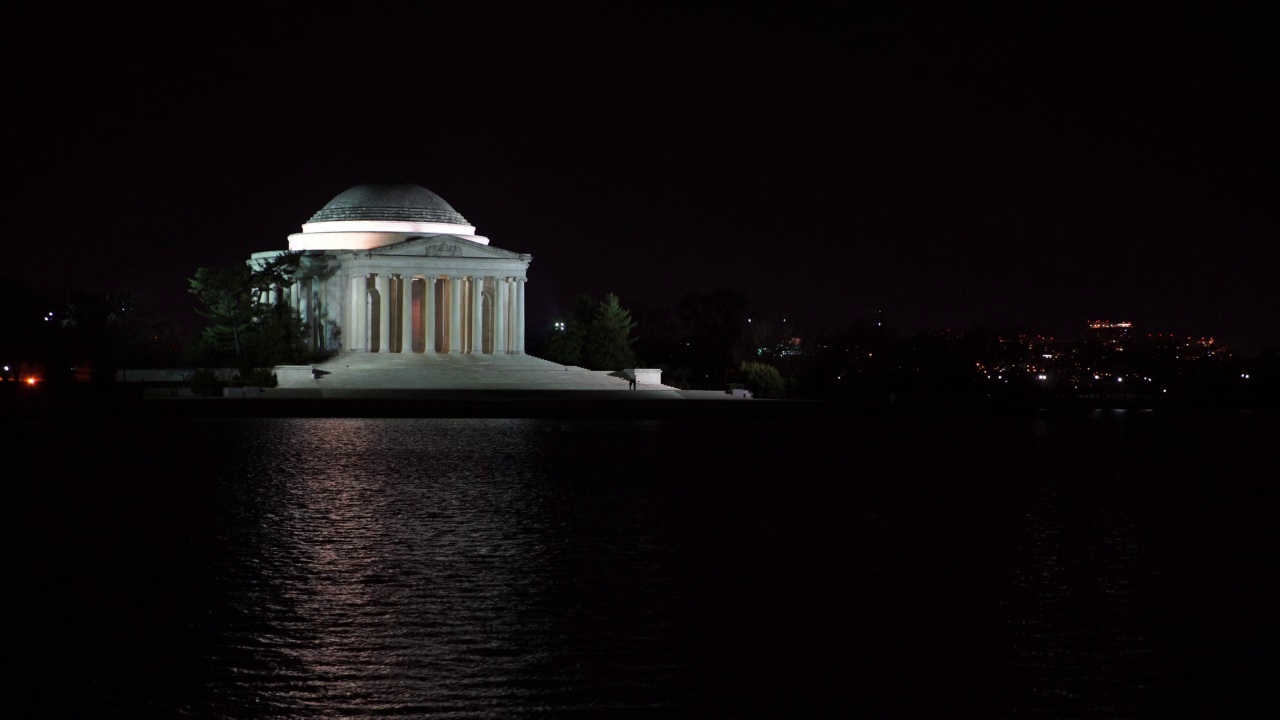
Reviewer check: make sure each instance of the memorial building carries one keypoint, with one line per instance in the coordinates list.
(393, 268)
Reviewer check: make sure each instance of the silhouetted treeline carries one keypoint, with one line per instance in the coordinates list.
(713, 340)
(85, 336)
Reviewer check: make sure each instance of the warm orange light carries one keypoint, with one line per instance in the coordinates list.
(31, 381)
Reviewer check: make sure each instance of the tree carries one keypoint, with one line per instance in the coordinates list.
(608, 339)
(763, 380)
(227, 305)
(596, 335)
(253, 333)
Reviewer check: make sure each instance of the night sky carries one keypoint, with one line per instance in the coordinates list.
(951, 166)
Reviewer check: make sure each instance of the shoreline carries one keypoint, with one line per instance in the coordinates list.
(586, 404)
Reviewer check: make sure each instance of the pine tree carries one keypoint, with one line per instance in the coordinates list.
(597, 336)
(227, 305)
(252, 332)
(608, 341)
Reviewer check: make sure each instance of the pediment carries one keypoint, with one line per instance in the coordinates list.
(447, 246)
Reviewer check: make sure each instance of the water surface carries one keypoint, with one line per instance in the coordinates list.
(1115, 564)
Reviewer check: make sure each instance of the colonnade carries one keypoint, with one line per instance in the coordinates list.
(437, 314)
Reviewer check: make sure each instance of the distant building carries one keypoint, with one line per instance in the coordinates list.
(1105, 332)
(393, 268)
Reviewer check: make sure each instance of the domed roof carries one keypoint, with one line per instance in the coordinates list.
(394, 202)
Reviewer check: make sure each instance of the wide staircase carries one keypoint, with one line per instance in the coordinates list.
(362, 373)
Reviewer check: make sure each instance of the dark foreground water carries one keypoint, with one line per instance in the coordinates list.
(1096, 564)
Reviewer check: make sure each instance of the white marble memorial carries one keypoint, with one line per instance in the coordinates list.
(393, 268)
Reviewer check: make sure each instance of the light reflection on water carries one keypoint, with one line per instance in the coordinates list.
(1075, 565)
(404, 562)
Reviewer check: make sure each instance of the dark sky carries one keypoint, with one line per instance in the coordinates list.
(951, 166)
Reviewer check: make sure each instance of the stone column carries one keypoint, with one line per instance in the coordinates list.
(355, 311)
(455, 314)
(477, 315)
(520, 315)
(500, 299)
(429, 315)
(406, 313)
(513, 315)
(383, 283)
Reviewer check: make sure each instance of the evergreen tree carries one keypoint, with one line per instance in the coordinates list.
(597, 335)
(608, 339)
(224, 292)
(252, 333)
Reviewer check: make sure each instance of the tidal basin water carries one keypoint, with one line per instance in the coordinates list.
(1110, 563)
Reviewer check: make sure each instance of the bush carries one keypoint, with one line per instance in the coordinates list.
(764, 381)
(206, 384)
(256, 377)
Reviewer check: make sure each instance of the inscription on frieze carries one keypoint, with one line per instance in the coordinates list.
(442, 249)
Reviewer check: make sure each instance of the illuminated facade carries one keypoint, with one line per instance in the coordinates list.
(393, 268)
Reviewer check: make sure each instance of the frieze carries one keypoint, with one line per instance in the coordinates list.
(442, 249)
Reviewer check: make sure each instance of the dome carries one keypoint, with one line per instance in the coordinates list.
(389, 202)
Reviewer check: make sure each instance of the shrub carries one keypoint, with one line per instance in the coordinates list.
(257, 377)
(205, 383)
(764, 381)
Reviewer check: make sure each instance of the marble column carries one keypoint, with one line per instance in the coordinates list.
(520, 315)
(512, 315)
(355, 311)
(455, 314)
(477, 315)
(500, 299)
(429, 315)
(406, 313)
(384, 313)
